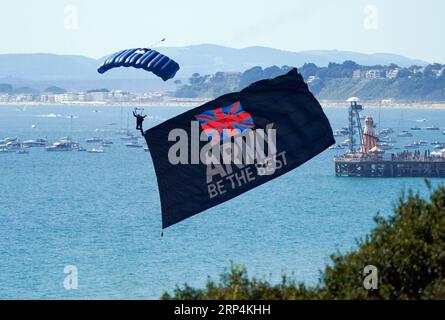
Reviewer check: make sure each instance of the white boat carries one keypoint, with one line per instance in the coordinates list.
(106, 142)
(62, 145)
(341, 132)
(97, 150)
(35, 143)
(93, 140)
(333, 147)
(12, 145)
(432, 127)
(386, 131)
(386, 146)
(387, 140)
(405, 134)
(411, 146)
(133, 145)
(9, 139)
(129, 137)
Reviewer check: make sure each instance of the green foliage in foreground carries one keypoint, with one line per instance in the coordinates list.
(408, 248)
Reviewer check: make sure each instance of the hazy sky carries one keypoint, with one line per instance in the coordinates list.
(414, 28)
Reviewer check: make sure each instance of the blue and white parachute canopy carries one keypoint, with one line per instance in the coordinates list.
(142, 58)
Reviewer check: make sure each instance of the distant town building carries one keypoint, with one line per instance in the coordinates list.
(373, 74)
(438, 72)
(357, 74)
(4, 97)
(417, 69)
(24, 97)
(393, 73)
(312, 79)
(96, 96)
(120, 95)
(66, 97)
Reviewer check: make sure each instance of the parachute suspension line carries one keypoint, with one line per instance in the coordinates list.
(156, 43)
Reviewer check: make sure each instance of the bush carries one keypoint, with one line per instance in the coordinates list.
(408, 249)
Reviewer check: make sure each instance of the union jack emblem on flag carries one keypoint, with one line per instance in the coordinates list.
(225, 122)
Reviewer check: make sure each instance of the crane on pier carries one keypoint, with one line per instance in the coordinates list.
(354, 122)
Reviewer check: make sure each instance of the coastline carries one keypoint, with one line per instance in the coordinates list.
(192, 103)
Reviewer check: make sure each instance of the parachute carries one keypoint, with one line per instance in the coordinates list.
(142, 58)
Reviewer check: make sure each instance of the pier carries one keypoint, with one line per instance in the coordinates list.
(369, 160)
(389, 168)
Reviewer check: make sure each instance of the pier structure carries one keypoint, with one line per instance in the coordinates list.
(369, 160)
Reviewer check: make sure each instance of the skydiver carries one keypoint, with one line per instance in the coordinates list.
(139, 119)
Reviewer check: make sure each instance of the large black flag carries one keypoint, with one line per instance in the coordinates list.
(217, 151)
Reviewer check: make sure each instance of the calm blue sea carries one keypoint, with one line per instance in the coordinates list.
(101, 212)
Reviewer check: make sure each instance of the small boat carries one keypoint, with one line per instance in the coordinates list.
(416, 128)
(62, 145)
(421, 120)
(81, 149)
(422, 142)
(333, 147)
(145, 149)
(97, 150)
(411, 146)
(106, 142)
(405, 134)
(386, 139)
(129, 138)
(9, 139)
(35, 143)
(386, 146)
(12, 145)
(386, 131)
(341, 132)
(133, 145)
(93, 140)
(432, 127)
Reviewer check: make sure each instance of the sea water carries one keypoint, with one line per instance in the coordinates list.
(101, 212)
